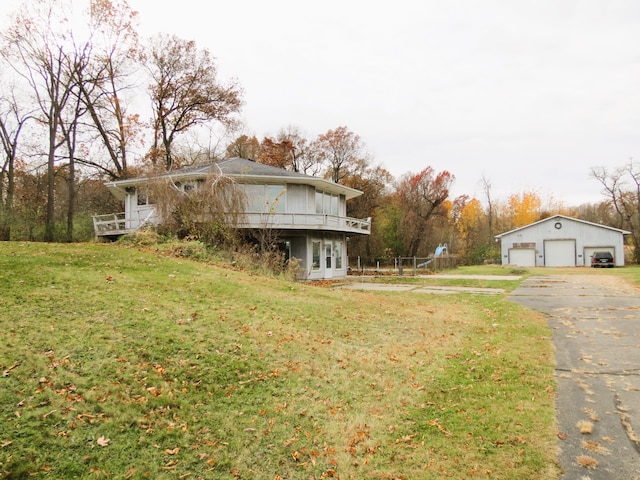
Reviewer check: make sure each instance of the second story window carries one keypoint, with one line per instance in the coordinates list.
(265, 198)
(327, 203)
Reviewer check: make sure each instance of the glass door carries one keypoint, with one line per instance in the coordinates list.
(328, 266)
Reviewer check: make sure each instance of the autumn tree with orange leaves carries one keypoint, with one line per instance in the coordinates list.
(339, 149)
(375, 183)
(244, 147)
(421, 198)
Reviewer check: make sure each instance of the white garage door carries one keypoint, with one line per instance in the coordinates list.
(560, 253)
(523, 257)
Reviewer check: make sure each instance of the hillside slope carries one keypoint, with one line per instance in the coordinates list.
(119, 363)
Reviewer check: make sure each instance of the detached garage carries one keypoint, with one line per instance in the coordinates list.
(560, 241)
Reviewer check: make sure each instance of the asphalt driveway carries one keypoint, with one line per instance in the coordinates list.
(596, 334)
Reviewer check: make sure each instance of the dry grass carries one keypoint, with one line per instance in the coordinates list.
(595, 447)
(585, 427)
(593, 416)
(587, 461)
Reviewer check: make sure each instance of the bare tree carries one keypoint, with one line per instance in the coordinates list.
(302, 156)
(12, 121)
(35, 49)
(622, 188)
(111, 57)
(69, 128)
(185, 92)
(487, 187)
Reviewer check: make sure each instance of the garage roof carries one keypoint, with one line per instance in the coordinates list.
(563, 217)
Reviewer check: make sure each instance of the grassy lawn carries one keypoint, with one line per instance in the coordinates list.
(121, 363)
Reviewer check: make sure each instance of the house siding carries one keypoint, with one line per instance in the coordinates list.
(298, 198)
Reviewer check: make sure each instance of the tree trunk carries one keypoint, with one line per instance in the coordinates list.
(49, 226)
(72, 198)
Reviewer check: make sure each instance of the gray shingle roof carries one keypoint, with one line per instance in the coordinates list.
(237, 166)
(248, 169)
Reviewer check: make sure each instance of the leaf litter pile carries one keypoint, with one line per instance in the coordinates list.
(119, 363)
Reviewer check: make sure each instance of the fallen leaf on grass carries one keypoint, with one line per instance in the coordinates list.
(171, 465)
(172, 452)
(103, 442)
(156, 392)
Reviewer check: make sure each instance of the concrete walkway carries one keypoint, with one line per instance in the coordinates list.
(435, 289)
(363, 284)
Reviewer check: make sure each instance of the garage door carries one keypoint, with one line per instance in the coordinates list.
(589, 251)
(523, 257)
(560, 253)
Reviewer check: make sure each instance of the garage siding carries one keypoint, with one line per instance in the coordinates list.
(560, 241)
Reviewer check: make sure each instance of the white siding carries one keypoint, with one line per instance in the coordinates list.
(297, 198)
(583, 236)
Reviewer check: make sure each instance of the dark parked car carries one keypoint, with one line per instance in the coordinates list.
(602, 259)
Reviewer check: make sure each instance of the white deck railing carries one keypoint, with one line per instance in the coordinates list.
(310, 221)
(119, 224)
(113, 222)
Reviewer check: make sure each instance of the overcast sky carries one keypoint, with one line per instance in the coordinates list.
(529, 93)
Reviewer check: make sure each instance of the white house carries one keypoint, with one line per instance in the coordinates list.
(560, 241)
(309, 213)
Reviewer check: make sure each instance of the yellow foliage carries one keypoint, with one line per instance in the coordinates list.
(525, 208)
(470, 216)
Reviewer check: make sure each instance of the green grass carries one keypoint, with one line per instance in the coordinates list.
(631, 273)
(121, 363)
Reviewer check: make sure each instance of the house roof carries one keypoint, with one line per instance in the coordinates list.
(563, 217)
(245, 171)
